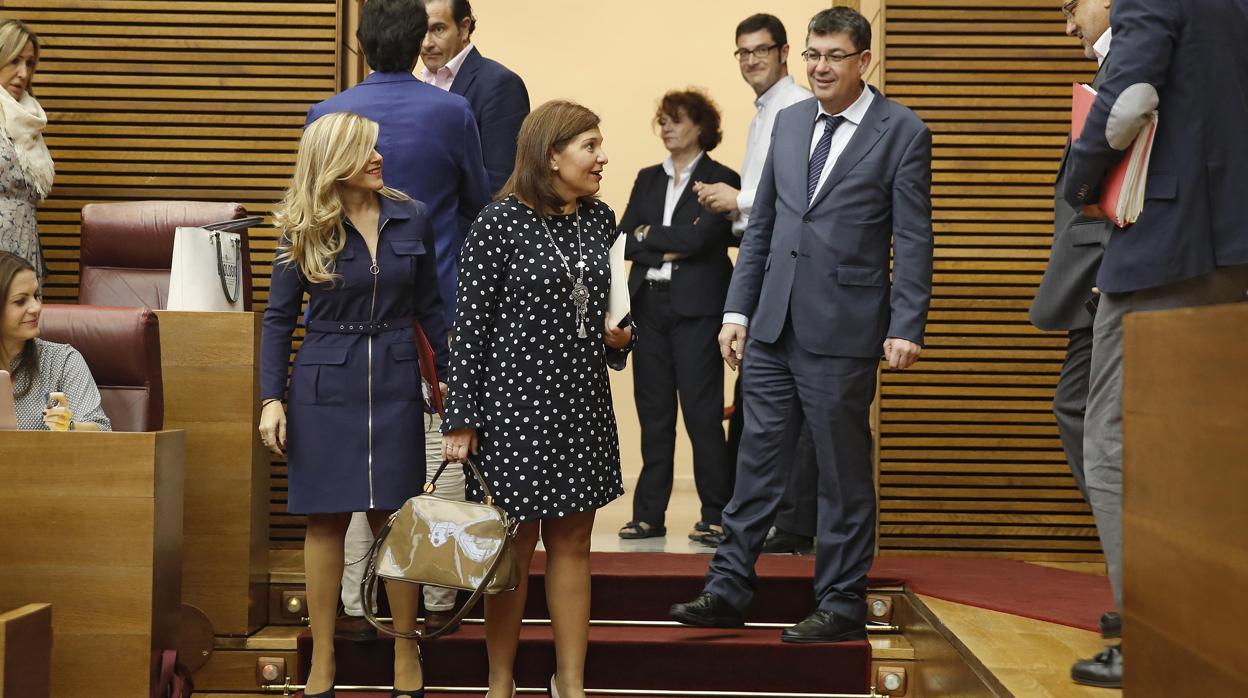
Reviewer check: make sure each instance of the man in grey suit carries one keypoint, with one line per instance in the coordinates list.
(1189, 246)
(1065, 300)
(848, 173)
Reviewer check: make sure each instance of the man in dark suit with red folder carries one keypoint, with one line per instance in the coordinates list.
(1189, 247)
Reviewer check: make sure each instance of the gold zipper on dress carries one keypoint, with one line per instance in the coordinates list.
(375, 271)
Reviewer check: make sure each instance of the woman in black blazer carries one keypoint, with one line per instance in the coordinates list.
(678, 282)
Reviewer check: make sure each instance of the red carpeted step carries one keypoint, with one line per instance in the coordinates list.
(643, 586)
(386, 694)
(630, 658)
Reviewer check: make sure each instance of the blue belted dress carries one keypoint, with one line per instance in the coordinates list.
(355, 419)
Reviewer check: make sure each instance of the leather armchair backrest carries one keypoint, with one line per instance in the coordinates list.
(122, 348)
(126, 249)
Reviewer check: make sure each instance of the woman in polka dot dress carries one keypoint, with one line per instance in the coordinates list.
(529, 391)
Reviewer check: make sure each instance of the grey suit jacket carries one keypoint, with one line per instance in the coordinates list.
(1078, 245)
(826, 265)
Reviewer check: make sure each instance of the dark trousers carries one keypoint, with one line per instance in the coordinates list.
(798, 508)
(1070, 401)
(835, 394)
(678, 358)
(799, 505)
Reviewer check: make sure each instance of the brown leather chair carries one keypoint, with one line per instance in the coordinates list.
(122, 349)
(126, 249)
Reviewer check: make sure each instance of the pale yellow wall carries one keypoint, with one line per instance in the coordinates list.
(618, 58)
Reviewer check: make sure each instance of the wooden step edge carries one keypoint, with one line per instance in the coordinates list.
(891, 647)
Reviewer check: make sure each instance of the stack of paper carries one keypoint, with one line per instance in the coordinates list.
(1122, 192)
(618, 301)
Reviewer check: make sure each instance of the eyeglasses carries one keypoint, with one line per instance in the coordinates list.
(1068, 8)
(743, 54)
(814, 57)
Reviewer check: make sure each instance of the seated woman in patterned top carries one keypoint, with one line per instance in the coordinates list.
(37, 367)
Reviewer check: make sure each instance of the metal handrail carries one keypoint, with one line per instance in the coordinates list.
(288, 689)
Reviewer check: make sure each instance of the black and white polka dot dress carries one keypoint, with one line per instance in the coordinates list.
(538, 394)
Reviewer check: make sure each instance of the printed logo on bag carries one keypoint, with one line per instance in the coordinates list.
(473, 547)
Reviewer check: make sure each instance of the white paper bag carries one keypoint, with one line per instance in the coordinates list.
(207, 270)
(618, 301)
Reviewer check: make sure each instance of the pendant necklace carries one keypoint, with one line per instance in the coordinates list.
(580, 292)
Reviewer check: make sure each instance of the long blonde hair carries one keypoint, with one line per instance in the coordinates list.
(334, 147)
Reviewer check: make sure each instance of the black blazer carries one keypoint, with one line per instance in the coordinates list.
(699, 281)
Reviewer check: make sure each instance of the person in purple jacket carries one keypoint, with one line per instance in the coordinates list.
(362, 254)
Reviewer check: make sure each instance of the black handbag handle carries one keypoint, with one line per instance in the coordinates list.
(431, 486)
(369, 583)
(238, 267)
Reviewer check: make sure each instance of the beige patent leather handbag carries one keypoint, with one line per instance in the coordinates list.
(457, 545)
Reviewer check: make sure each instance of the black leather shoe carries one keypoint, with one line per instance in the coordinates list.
(418, 693)
(1104, 670)
(708, 611)
(355, 629)
(1111, 625)
(825, 626)
(789, 544)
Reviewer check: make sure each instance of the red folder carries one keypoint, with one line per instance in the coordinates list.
(1122, 190)
(430, 386)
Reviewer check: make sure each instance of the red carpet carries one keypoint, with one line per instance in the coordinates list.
(1032, 591)
(632, 658)
(784, 593)
(642, 586)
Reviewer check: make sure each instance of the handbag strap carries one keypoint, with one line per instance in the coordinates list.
(369, 583)
(238, 267)
(431, 486)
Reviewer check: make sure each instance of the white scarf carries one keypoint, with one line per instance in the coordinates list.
(24, 122)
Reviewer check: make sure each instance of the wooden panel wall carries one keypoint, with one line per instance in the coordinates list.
(204, 100)
(177, 99)
(970, 457)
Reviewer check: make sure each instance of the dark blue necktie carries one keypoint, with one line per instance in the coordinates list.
(820, 155)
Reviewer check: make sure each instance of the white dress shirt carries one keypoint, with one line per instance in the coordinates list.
(852, 116)
(445, 77)
(1101, 47)
(670, 198)
(784, 93)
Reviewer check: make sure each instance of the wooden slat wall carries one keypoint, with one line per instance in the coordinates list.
(970, 459)
(204, 100)
(173, 100)
(177, 100)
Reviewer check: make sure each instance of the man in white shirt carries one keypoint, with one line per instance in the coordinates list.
(763, 52)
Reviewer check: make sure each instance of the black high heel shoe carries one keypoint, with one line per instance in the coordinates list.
(415, 692)
(323, 694)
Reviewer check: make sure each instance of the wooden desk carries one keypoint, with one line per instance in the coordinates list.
(212, 387)
(1185, 474)
(93, 525)
(26, 652)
